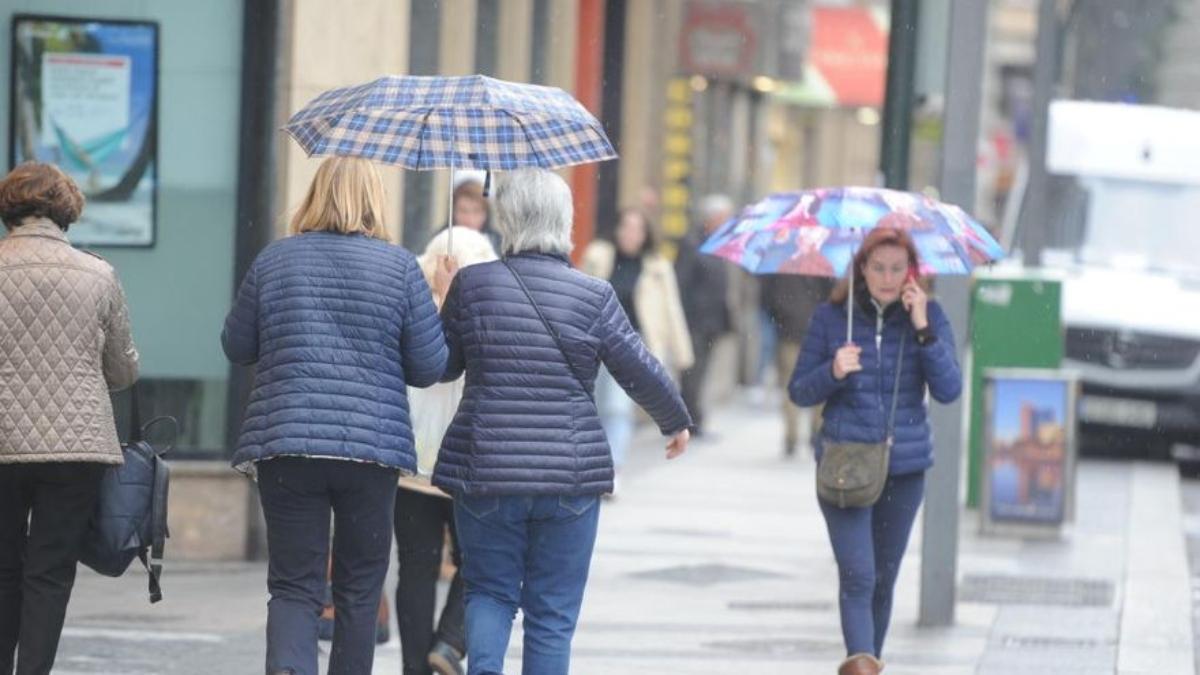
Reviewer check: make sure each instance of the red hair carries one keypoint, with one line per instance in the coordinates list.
(892, 230)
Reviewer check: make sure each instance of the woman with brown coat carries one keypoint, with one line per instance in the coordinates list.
(64, 344)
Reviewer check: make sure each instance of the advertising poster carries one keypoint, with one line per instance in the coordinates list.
(84, 97)
(1029, 437)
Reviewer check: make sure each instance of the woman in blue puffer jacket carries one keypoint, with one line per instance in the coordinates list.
(338, 322)
(855, 381)
(526, 457)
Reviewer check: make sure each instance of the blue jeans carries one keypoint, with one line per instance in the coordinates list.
(297, 496)
(616, 415)
(869, 544)
(527, 552)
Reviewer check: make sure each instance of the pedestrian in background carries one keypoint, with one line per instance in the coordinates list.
(424, 513)
(338, 321)
(789, 301)
(526, 458)
(644, 282)
(64, 325)
(901, 342)
(471, 209)
(705, 283)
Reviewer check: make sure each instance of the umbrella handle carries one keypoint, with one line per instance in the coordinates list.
(850, 306)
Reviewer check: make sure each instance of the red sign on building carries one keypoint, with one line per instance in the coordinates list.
(848, 50)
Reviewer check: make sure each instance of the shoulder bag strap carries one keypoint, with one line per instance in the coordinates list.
(549, 329)
(151, 552)
(135, 434)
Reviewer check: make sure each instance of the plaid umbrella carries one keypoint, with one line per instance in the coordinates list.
(474, 121)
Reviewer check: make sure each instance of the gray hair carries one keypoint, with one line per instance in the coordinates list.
(715, 205)
(534, 212)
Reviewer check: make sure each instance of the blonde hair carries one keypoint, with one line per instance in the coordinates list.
(346, 197)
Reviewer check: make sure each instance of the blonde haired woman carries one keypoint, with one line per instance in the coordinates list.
(338, 321)
(423, 512)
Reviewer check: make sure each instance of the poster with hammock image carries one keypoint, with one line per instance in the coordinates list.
(84, 96)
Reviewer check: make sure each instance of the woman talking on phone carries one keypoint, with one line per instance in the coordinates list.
(873, 390)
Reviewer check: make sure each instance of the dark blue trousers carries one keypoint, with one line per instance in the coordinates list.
(297, 496)
(869, 544)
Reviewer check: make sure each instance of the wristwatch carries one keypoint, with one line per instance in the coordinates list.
(926, 336)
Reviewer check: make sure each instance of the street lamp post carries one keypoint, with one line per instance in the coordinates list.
(898, 102)
(960, 132)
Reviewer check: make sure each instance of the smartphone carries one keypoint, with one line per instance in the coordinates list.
(914, 274)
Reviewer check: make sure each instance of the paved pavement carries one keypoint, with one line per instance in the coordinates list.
(1191, 528)
(718, 563)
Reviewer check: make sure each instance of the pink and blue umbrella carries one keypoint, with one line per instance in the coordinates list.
(816, 232)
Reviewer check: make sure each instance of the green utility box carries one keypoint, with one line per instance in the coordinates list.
(1016, 322)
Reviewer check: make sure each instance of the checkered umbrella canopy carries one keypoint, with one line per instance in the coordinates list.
(475, 122)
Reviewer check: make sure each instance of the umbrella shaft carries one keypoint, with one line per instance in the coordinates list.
(850, 306)
(450, 207)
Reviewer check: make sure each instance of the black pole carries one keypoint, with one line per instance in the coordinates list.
(607, 175)
(898, 101)
(256, 174)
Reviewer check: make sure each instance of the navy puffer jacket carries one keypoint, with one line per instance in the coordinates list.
(338, 325)
(857, 407)
(526, 426)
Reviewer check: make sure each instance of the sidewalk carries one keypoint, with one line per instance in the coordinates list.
(718, 563)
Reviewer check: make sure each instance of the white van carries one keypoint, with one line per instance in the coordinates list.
(1131, 295)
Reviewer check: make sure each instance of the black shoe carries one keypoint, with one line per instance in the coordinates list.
(445, 660)
(789, 449)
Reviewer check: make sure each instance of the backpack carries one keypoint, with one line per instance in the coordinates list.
(130, 520)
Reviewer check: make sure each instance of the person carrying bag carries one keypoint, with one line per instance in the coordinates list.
(875, 444)
(65, 326)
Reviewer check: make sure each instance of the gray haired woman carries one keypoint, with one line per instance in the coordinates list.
(526, 457)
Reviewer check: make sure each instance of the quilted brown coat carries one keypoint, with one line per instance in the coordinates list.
(64, 343)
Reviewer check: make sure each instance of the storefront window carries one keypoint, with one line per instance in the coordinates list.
(180, 287)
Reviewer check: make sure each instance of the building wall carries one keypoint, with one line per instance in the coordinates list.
(372, 41)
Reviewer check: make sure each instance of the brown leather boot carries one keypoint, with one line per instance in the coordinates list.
(860, 664)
